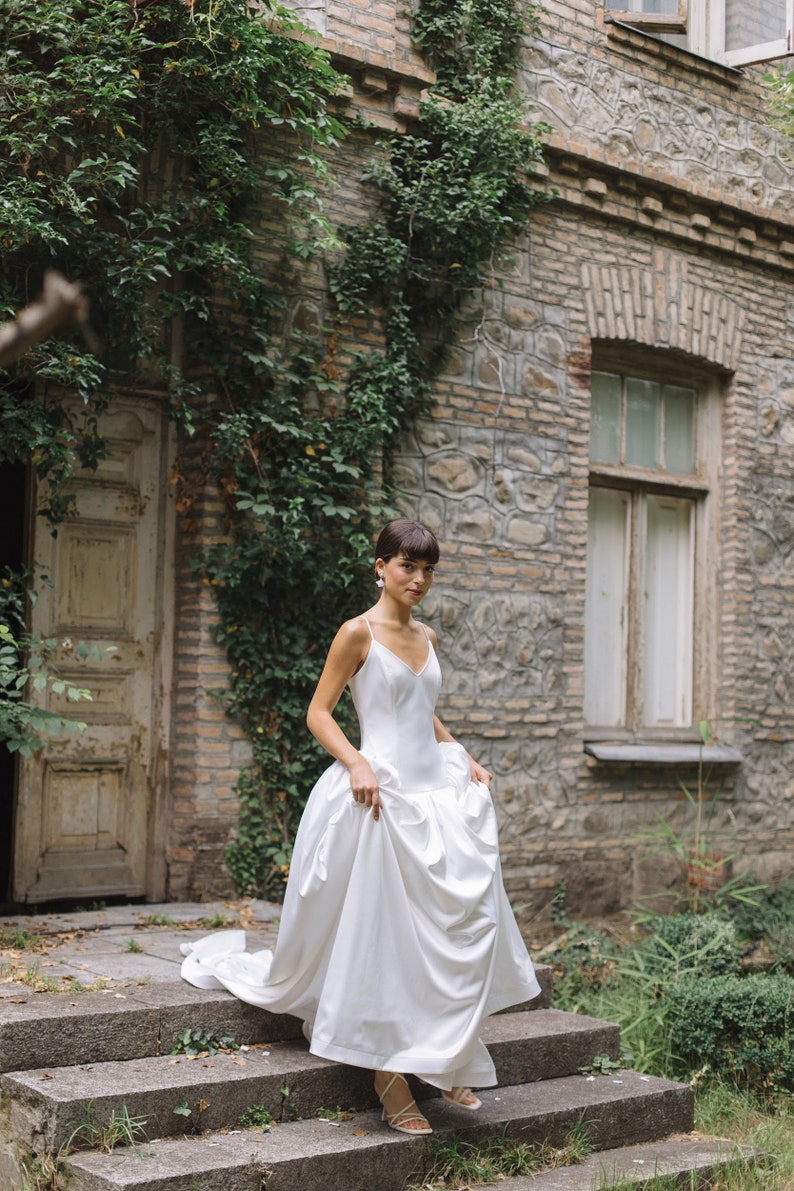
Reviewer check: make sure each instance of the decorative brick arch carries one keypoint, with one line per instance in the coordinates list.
(661, 307)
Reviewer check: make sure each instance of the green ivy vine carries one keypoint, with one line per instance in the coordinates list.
(126, 164)
(148, 144)
(449, 197)
(138, 139)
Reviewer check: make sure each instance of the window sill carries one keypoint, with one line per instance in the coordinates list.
(664, 754)
(627, 35)
(647, 475)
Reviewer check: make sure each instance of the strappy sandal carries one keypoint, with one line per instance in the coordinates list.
(455, 1096)
(400, 1120)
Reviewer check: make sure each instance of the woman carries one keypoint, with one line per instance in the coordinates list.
(396, 936)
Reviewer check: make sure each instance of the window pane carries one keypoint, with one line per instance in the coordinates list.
(605, 418)
(665, 7)
(679, 429)
(667, 627)
(642, 422)
(605, 608)
(753, 22)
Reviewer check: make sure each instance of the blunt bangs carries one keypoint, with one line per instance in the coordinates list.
(410, 538)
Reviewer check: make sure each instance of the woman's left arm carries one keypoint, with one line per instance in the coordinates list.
(478, 772)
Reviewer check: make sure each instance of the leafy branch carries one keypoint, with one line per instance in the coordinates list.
(173, 158)
(29, 659)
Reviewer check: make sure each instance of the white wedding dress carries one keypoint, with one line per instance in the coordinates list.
(396, 937)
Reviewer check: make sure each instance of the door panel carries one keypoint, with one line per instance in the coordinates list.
(89, 803)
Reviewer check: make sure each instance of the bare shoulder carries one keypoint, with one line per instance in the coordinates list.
(431, 633)
(348, 650)
(353, 636)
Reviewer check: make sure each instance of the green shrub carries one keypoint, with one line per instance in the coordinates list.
(703, 944)
(768, 926)
(583, 961)
(739, 1027)
(771, 910)
(780, 941)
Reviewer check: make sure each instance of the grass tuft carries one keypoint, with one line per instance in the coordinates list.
(256, 1116)
(458, 1165)
(16, 938)
(335, 1114)
(120, 1129)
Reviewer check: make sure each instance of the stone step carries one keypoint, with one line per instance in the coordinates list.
(48, 1103)
(98, 1027)
(312, 1155)
(688, 1161)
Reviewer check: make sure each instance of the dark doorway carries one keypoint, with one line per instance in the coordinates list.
(13, 545)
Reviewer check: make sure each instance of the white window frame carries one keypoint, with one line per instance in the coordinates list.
(651, 22)
(704, 22)
(702, 488)
(749, 55)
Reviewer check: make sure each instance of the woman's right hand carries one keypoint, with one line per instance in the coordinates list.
(364, 785)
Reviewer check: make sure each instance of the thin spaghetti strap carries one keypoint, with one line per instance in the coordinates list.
(369, 626)
(427, 637)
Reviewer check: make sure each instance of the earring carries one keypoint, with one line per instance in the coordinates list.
(379, 581)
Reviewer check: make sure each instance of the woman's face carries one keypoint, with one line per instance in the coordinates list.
(407, 580)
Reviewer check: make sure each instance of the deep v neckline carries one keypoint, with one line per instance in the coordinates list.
(408, 666)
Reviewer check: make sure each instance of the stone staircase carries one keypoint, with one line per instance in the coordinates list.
(108, 1059)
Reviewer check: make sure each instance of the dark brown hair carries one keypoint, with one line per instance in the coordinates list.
(410, 538)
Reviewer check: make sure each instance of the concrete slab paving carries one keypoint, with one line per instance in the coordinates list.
(128, 946)
(118, 946)
(119, 1023)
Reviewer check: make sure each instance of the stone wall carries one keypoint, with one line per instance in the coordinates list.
(670, 228)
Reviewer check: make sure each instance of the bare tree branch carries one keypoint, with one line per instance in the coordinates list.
(62, 304)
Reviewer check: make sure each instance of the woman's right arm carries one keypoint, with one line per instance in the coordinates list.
(347, 653)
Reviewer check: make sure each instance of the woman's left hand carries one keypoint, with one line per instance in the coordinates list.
(479, 773)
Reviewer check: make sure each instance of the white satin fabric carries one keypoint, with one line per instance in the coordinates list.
(396, 936)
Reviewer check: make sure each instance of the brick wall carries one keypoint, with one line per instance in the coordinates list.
(208, 749)
(671, 228)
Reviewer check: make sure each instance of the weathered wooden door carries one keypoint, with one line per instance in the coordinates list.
(90, 805)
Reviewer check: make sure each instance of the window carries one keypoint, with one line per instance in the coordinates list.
(651, 537)
(653, 16)
(736, 32)
(753, 31)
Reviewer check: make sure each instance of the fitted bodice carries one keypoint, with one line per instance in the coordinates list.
(395, 706)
